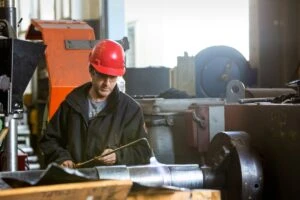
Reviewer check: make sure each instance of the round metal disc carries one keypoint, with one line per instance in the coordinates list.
(215, 67)
(230, 154)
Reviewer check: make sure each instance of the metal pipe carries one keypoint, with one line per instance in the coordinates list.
(12, 150)
(256, 100)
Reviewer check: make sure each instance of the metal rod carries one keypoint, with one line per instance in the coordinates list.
(12, 161)
(3, 134)
(115, 150)
(256, 100)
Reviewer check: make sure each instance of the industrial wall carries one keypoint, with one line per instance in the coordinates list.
(275, 41)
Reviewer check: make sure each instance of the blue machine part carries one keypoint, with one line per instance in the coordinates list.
(215, 67)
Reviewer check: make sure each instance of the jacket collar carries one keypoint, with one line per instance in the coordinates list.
(78, 100)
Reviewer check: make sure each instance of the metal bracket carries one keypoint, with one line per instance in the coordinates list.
(80, 44)
(89, 44)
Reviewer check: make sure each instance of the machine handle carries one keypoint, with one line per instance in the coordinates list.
(167, 121)
(199, 121)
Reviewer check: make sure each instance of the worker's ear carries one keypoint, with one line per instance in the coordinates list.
(91, 70)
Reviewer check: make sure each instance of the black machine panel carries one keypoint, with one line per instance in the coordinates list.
(18, 60)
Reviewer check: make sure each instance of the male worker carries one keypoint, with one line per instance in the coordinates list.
(96, 118)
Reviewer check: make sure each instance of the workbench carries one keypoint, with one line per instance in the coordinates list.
(104, 189)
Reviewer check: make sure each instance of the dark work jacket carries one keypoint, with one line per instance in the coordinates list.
(70, 135)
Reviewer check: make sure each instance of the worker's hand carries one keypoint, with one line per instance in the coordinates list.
(109, 159)
(67, 163)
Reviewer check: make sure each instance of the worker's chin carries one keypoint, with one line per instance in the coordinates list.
(104, 93)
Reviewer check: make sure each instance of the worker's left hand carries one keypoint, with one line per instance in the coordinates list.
(109, 159)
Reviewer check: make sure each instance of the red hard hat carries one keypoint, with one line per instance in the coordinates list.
(108, 57)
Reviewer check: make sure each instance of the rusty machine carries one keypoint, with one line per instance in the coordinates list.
(245, 149)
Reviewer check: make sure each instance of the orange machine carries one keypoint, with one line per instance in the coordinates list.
(68, 44)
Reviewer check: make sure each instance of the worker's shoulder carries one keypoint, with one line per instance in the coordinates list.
(125, 98)
(79, 92)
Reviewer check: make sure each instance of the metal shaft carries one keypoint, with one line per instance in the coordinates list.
(12, 151)
(183, 176)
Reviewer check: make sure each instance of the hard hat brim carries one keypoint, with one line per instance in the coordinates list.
(109, 71)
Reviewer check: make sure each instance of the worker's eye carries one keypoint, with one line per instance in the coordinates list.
(99, 75)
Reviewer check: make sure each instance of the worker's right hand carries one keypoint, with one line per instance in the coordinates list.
(67, 163)
(108, 159)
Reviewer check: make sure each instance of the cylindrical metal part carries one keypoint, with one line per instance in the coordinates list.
(12, 150)
(152, 175)
(7, 3)
(8, 12)
(267, 92)
(118, 172)
(184, 176)
(161, 136)
(212, 178)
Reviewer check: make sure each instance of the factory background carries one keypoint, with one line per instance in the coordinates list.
(218, 82)
(263, 32)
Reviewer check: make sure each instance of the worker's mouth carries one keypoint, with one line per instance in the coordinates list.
(104, 90)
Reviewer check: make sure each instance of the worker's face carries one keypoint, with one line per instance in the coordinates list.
(103, 84)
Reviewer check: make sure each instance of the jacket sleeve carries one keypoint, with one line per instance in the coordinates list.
(140, 152)
(54, 140)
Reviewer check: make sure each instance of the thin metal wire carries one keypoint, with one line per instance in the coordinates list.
(78, 165)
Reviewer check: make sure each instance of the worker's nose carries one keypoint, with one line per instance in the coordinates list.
(106, 81)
